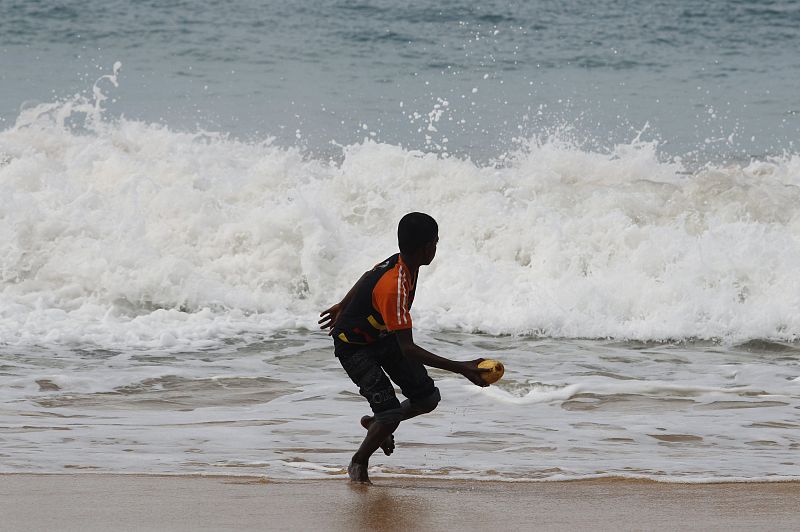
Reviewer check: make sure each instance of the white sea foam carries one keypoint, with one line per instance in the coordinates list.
(122, 233)
(539, 393)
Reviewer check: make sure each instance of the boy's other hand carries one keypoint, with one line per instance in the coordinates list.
(472, 372)
(329, 317)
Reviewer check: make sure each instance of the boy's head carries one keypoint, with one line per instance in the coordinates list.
(417, 235)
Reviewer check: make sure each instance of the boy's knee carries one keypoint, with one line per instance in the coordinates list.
(428, 404)
(389, 417)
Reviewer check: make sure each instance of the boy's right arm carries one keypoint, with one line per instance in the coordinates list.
(330, 315)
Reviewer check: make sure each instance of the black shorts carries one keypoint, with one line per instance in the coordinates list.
(369, 366)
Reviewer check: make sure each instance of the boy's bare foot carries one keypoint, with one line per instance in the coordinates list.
(358, 473)
(388, 444)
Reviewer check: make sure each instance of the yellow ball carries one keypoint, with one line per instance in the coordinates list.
(497, 370)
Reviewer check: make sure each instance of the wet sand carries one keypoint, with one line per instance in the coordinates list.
(90, 502)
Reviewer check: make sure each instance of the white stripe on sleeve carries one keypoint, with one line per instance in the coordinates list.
(399, 287)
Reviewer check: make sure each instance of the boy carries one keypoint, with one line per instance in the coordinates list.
(371, 329)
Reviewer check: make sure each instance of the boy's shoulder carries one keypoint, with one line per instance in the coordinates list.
(387, 264)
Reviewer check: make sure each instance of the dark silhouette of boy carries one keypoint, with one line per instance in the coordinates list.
(372, 335)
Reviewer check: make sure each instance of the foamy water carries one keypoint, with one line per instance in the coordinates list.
(126, 234)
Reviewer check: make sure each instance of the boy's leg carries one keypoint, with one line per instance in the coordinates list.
(379, 432)
(365, 371)
(412, 378)
(415, 383)
(376, 434)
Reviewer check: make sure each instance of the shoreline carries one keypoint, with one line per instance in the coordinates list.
(108, 501)
(379, 478)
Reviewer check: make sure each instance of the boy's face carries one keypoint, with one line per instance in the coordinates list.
(429, 251)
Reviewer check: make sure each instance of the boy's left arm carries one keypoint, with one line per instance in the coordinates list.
(468, 368)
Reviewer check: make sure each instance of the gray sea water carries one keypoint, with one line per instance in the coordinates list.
(709, 79)
(283, 408)
(184, 186)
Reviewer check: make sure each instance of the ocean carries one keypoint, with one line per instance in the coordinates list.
(184, 187)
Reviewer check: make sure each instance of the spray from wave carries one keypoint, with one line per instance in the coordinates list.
(129, 234)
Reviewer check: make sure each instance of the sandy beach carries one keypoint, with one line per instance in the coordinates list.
(90, 502)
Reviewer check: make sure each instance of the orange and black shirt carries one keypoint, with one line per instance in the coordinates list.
(381, 304)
